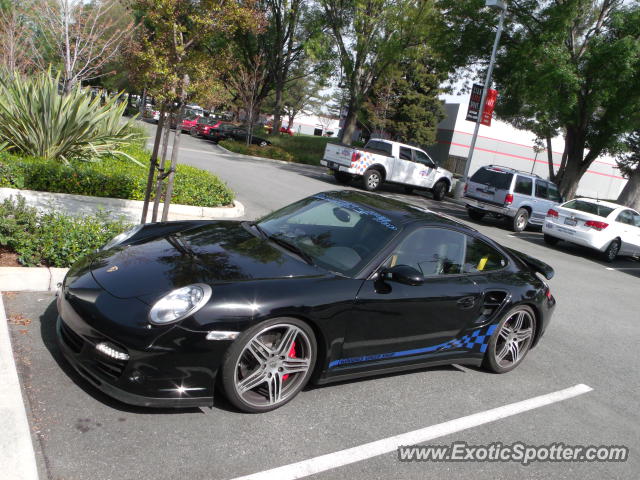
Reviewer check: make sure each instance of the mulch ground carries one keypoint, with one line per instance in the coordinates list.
(8, 258)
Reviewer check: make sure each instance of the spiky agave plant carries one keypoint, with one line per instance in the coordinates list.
(38, 119)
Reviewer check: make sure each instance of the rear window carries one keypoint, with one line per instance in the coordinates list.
(494, 178)
(589, 207)
(382, 147)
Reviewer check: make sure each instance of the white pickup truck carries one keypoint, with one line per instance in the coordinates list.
(386, 161)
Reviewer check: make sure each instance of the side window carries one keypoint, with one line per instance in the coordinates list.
(405, 153)
(431, 251)
(554, 193)
(421, 157)
(524, 185)
(636, 219)
(541, 189)
(626, 216)
(481, 257)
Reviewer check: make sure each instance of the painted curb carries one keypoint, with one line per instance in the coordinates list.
(131, 209)
(31, 279)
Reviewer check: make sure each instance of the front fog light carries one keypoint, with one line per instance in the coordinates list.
(112, 351)
(179, 304)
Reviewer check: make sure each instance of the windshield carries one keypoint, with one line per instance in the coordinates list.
(589, 207)
(335, 234)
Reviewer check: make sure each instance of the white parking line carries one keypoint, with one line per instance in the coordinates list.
(386, 445)
(17, 459)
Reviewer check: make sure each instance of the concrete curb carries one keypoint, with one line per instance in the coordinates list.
(31, 279)
(131, 209)
(17, 457)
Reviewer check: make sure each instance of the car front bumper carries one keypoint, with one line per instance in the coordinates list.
(180, 373)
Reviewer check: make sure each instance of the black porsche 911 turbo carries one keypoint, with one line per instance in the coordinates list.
(337, 286)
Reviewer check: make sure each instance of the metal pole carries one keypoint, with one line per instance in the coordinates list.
(485, 89)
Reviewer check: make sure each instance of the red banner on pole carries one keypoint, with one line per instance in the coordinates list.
(489, 104)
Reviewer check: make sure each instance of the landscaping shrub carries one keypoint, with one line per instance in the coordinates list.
(274, 152)
(52, 239)
(111, 177)
(37, 119)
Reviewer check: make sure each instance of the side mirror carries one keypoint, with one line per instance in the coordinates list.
(402, 274)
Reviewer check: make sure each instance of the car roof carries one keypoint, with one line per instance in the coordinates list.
(513, 170)
(399, 213)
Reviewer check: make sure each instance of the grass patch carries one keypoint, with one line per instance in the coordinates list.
(272, 151)
(307, 149)
(113, 177)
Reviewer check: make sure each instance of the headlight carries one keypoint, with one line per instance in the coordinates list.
(118, 239)
(180, 303)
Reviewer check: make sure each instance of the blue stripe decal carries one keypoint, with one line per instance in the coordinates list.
(476, 341)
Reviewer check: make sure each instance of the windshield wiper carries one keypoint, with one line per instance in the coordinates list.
(292, 247)
(260, 230)
(180, 244)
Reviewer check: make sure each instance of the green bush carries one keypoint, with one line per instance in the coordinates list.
(274, 152)
(112, 177)
(37, 119)
(52, 239)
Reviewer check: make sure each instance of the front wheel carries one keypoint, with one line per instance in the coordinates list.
(511, 340)
(372, 180)
(263, 143)
(439, 190)
(612, 251)
(269, 364)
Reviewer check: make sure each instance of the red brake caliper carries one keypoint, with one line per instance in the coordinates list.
(292, 354)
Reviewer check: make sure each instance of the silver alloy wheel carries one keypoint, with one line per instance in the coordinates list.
(265, 373)
(521, 222)
(373, 181)
(514, 339)
(612, 251)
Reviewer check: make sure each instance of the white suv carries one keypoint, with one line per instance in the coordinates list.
(604, 226)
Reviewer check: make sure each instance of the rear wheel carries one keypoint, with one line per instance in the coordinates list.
(519, 222)
(193, 131)
(269, 364)
(475, 214)
(372, 180)
(511, 341)
(342, 178)
(549, 240)
(263, 143)
(612, 251)
(439, 190)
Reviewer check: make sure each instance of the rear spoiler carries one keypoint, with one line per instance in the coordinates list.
(534, 264)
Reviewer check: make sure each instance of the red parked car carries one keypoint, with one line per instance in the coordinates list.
(204, 126)
(189, 122)
(283, 129)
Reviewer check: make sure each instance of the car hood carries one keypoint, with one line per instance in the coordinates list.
(218, 252)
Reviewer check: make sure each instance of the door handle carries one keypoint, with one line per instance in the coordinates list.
(466, 302)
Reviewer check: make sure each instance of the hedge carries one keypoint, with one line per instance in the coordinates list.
(111, 177)
(274, 152)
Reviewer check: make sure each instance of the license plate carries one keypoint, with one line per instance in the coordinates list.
(572, 222)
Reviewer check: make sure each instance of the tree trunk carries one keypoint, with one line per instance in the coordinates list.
(174, 151)
(153, 163)
(349, 128)
(630, 195)
(575, 166)
(277, 111)
(160, 177)
(552, 175)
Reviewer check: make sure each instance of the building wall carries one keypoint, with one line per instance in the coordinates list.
(308, 124)
(502, 144)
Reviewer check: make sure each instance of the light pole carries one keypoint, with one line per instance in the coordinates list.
(502, 6)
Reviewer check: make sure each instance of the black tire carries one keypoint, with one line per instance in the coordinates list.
(498, 342)
(475, 214)
(234, 355)
(372, 179)
(550, 240)
(439, 190)
(520, 221)
(342, 178)
(610, 254)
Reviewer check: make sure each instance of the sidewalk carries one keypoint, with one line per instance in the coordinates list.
(17, 458)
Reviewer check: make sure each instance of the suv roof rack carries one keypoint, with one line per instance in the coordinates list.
(516, 170)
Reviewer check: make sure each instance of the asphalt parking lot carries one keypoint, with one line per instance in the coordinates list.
(78, 433)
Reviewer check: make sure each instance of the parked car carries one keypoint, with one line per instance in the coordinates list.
(385, 161)
(283, 129)
(607, 227)
(189, 122)
(240, 135)
(336, 286)
(203, 126)
(520, 198)
(220, 130)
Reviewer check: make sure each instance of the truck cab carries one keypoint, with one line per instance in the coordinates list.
(382, 161)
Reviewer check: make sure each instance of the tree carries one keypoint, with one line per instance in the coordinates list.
(17, 37)
(629, 164)
(84, 35)
(370, 36)
(404, 103)
(565, 67)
